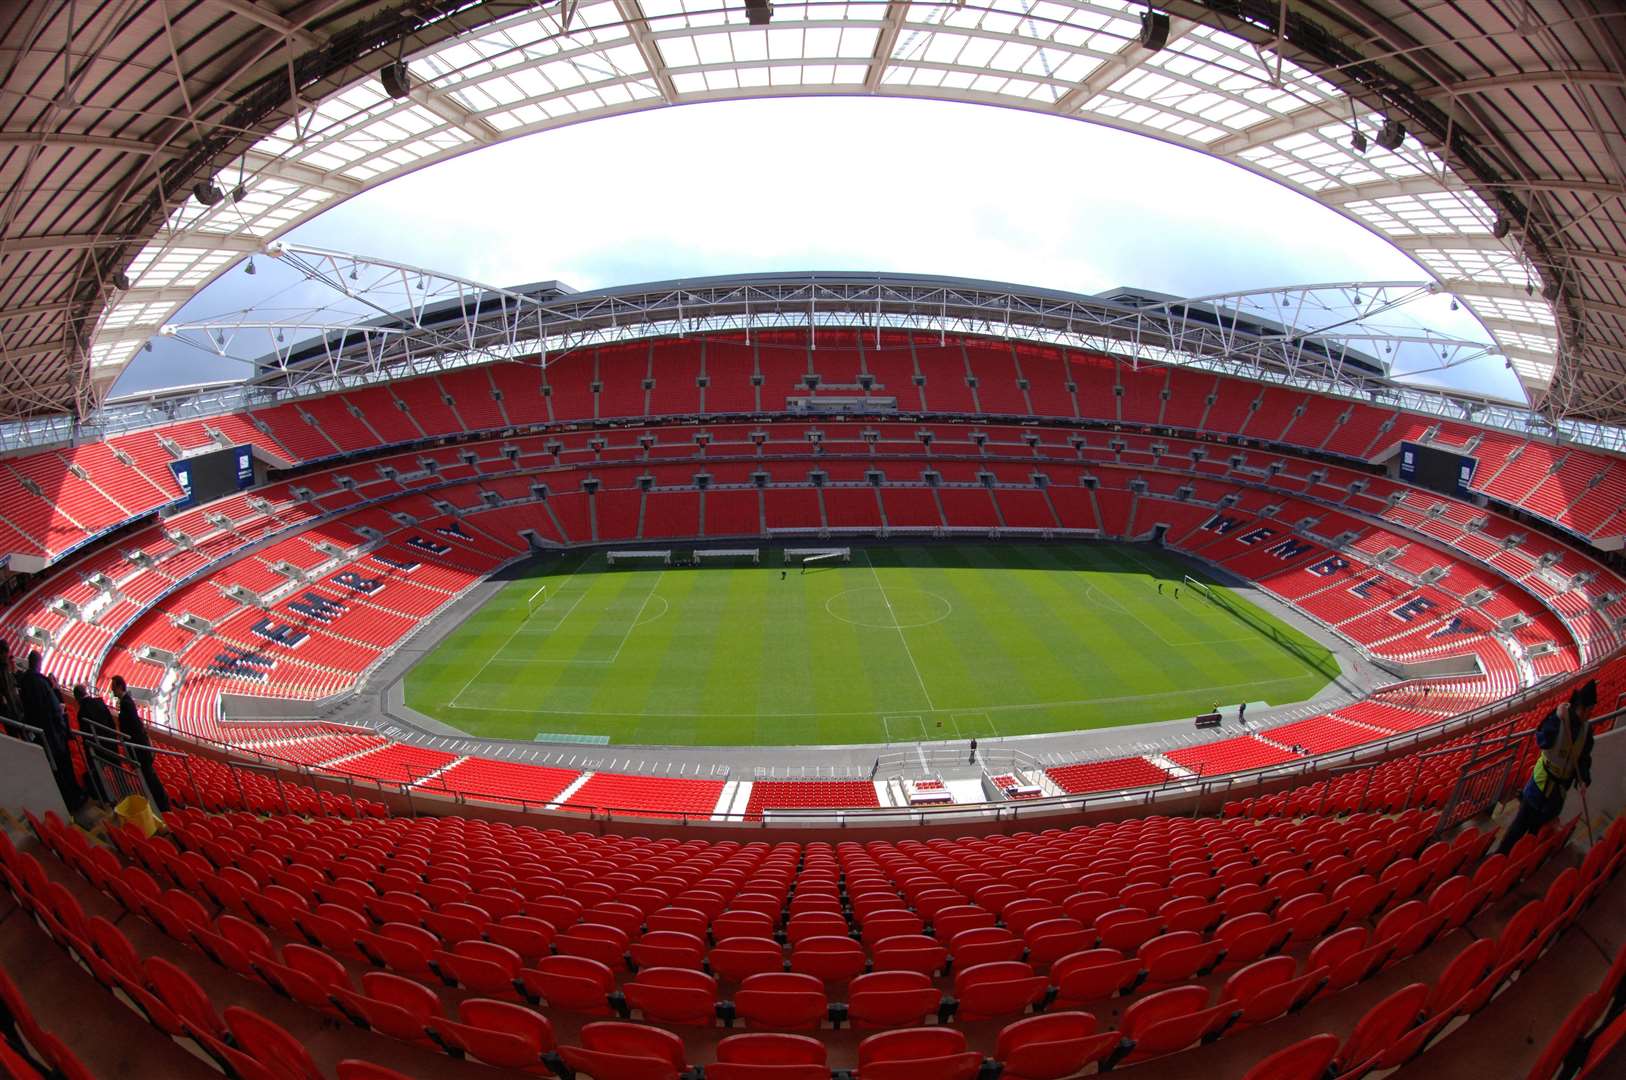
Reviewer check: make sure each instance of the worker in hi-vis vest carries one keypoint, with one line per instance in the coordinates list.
(1565, 739)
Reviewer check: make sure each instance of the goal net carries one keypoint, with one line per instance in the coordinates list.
(810, 557)
(751, 555)
(1203, 590)
(662, 557)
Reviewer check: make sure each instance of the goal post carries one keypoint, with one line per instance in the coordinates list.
(813, 557)
(1201, 590)
(712, 555)
(664, 557)
(536, 600)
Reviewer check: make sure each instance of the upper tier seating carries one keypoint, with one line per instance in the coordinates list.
(78, 492)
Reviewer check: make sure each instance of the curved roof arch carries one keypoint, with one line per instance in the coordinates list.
(1507, 187)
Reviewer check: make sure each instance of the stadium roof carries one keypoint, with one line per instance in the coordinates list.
(113, 113)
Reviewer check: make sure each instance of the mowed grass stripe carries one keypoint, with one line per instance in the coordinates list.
(1038, 637)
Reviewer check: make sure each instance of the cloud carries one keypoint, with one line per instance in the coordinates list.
(852, 184)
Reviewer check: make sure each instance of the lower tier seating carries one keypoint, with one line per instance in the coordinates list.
(623, 957)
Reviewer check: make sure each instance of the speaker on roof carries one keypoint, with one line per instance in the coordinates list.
(207, 192)
(1502, 227)
(1154, 30)
(1391, 134)
(758, 12)
(397, 81)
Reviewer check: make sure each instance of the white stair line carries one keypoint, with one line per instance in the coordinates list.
(575, 785)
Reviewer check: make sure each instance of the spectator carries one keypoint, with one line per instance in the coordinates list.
(11, 702)
(42, 707)
(134, 730)
(95, 718)
(1566, 741)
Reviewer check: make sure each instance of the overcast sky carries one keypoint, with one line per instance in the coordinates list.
(830, 184)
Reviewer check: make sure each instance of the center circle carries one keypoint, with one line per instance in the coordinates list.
(888, 609)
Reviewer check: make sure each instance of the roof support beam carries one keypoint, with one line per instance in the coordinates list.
(72, 141)
(191, 238)
(1127, 59)
(454, 114)
(1520, 80)
(1454, 242)
(19, 245)
(303, 175)
(1469, 288)
(271, 21)
(632, 13)
(26, 310)
(1428, 184)
(1308, 118)
(896, 12)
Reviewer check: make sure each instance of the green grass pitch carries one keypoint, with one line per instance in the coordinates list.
(901, 644)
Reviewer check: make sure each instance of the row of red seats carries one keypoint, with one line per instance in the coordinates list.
(1572, 486)
(27, 1050)
(1163, 1022)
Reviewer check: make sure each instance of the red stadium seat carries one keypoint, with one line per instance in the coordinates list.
(1307, 1060)
(391, 1005)
(934, 1053)
(782, 1000)
(891, 999)
(1053, 1045)
(1002, 988)
(909, 952)
(1272, 987)
(1171, 1020)
(1094, 975)
(270, 1045)
(980, 945)
(738, 958)
(496, 1032)
(833, 959)
(769, 1056)
(611, 1050)
(570, 982)
(1380, 1028)
(673, 995)
(668, 948)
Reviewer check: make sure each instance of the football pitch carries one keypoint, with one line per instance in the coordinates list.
(900, 644)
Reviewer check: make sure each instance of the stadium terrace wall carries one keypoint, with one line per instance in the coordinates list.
(1580, 490)
(1518, 713)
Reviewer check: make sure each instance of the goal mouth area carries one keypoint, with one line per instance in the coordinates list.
(809, 557)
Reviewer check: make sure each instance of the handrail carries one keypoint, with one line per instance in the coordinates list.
(1197, 786)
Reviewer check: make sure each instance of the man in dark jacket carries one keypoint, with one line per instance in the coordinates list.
(11, 702)
(42, 708)
(1565, 740)
(95, 718)
(134, 730)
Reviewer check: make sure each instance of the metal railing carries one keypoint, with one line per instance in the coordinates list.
(1197, 788)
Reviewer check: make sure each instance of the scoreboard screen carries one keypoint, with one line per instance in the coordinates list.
(1436, 469)
(207, 477)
